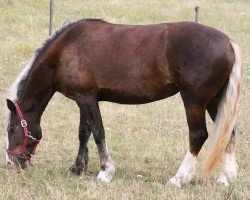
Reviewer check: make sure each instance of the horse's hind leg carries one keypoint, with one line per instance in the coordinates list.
(90, 110)
(229, 165)
(82, 158)
(195, 112)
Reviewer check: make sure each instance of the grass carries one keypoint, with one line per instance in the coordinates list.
(147, 142)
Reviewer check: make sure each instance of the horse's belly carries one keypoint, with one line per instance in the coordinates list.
(137, 95)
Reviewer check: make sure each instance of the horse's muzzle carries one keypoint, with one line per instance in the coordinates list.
(16, 161)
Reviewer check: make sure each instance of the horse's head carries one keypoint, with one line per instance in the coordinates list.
(24, 133)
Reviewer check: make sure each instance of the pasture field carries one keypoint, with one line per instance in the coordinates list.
(147, 142)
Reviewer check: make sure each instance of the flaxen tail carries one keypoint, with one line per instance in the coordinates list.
(226, 115)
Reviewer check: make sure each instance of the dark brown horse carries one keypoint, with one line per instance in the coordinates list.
(92, 60)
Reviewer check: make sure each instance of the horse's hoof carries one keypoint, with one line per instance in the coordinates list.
(175, 182)
(77, 169)
(103, 177)
(107, 174)
(223, 181)
(182, 179)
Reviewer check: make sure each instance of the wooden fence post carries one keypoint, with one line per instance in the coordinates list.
(197, 14)
(51, 7)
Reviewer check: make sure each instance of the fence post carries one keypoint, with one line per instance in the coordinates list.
(197, 14)
(51, 12)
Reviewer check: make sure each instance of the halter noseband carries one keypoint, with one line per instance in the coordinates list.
(27, 135)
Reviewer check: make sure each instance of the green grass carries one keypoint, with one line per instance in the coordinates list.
(147, 142)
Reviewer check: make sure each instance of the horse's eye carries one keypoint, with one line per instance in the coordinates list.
(11, 130)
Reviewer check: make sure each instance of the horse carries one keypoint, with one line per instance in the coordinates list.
(91, 60)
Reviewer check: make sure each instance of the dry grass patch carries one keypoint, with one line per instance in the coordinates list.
(147, 142)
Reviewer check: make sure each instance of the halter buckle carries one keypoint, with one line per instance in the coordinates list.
(31, 137)
(23, 123)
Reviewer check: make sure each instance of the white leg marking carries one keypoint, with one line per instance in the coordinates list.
(107, 174)
(229, 167)
(186, 171)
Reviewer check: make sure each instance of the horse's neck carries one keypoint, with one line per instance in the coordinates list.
(38, 92)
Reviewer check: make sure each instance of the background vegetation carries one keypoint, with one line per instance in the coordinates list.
(147, 142)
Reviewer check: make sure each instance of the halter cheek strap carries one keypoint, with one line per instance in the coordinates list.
(27, 136)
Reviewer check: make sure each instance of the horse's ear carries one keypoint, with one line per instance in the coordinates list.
(11, 106)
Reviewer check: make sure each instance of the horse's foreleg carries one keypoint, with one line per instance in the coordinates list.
(82, 158)
(106, 163)
(92, 114)
(229, 165)
(197, 136)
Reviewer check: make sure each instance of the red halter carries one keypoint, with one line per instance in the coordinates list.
(27, 135)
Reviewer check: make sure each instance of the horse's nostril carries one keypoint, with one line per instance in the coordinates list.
(10, 164)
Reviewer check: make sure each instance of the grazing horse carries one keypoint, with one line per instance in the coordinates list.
(92, 60)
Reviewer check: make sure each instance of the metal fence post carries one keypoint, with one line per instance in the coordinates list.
(197, 14)
(51, 16)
